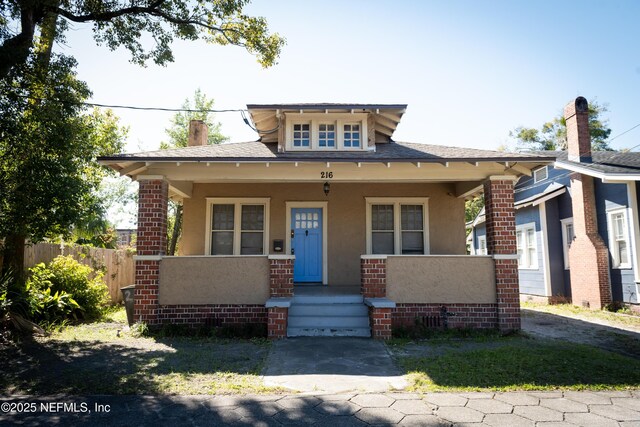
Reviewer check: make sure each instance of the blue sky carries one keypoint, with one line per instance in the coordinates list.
(470, 71)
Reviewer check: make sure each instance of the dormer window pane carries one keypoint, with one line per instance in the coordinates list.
(301, 135)
(327, 135)
(352, 135)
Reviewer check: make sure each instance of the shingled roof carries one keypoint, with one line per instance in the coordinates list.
(394, 151)
(608, 162)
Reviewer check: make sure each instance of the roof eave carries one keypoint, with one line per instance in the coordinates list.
(604, 176)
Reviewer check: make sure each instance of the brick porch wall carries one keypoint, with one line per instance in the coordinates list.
(501, 243)
(215, 314)
(477, 316)
(281, 286)
(153, 195)
(373, 277)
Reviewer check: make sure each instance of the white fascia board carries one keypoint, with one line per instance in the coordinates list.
(605, 177)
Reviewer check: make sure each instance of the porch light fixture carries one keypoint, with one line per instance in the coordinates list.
(326, 188)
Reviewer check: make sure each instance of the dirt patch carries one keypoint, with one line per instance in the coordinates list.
(607, 337)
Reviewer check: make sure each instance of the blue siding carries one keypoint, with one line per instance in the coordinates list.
(526, 188)
(556, 252)
(532, 281)
(612, 196)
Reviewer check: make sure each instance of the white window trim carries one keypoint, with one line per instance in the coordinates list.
(315, 119)
(325, 231)
(480, 250)
(237, 222)
(397, 232)
(524, 227)
(535, 177)
(565, 240)
(610, 231)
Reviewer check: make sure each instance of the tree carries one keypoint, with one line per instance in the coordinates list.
(178, 134)
(553, 135)
(48, 147)
(124, 23)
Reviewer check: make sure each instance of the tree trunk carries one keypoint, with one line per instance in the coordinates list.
(177, 230)
(13, 257)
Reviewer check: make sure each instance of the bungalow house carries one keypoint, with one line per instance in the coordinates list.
(325, 226)
(590, 198)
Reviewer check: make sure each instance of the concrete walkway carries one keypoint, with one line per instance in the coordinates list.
(535, 409)
(334, 365)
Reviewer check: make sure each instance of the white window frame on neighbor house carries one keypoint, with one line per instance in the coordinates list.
(536, 172)
(397, 202)
(613, 240)
(314, 120)
(527, 263)
(566, 242)
(238, 202)
(482, 245)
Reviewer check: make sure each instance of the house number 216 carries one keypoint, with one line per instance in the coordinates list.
(326, 175)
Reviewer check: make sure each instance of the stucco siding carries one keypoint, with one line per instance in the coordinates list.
(441, 279)
(346, 217)
(214, 280)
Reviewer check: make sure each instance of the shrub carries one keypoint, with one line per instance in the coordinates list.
(64, 289)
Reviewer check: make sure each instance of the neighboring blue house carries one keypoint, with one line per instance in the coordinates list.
(544, 225)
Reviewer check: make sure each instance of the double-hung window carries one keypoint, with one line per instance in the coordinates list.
(526, 245)
(397, 226)
(237, 226)
(567, 237)
(619, 238)
(482, 245)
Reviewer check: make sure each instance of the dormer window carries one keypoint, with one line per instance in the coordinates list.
(327, 135)
(301, 135)
(326, 131)
(351, 135)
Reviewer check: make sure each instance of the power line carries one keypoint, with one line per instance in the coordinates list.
(132, 107)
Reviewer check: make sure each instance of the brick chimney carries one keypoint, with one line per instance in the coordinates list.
(198, 133)
(576, 114)
(588, 255)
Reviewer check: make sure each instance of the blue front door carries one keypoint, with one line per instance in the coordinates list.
(306, 244)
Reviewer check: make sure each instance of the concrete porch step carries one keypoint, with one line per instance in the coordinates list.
(327, 299)
(336, 331)
(298, 309)
(328, 321)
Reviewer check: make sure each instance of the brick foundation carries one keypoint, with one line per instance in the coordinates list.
(212, 314)
(153, 196)
(373, 277)
(277, 322)
(476, 316)
(380, 321)
(501, 243)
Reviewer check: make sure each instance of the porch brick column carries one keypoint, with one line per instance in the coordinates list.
(281, 286)
(501, 243)
(281, 275)
(380, 319)
(373, 276)
(153, 195)
(277, 322)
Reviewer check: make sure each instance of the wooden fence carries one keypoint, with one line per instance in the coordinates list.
(118, 265)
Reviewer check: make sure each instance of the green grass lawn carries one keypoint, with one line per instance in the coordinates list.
(105, 358)
(516, 363)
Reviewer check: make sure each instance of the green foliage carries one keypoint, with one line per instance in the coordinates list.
(126, 23)
(48, 148)
(472, 207)
(553, 135)
(48, 307)
(65, 275)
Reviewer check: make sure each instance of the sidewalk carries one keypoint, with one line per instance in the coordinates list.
(548, 409)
